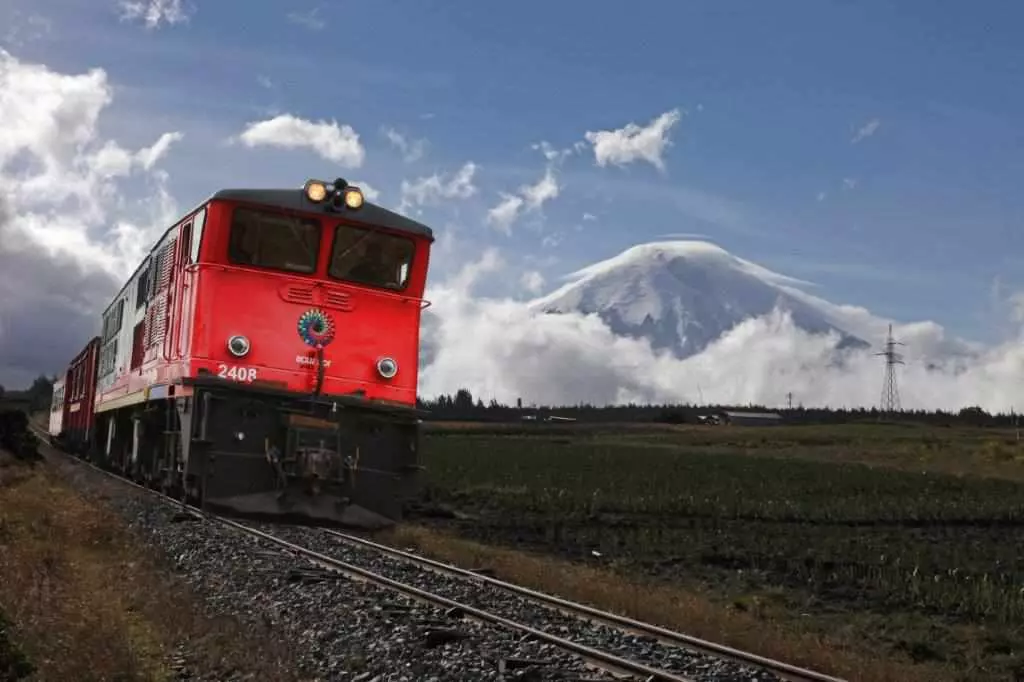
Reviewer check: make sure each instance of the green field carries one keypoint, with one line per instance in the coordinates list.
(908, 538)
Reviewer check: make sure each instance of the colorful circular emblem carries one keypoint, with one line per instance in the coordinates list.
(316, 328)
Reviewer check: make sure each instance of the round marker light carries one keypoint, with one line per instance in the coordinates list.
(238, 346)
(316, 191)
(353, 198)
(387, 367)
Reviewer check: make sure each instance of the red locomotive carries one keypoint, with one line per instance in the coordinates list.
(263, 358)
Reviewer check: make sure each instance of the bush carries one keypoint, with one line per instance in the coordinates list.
(13, 663)
(15, 436)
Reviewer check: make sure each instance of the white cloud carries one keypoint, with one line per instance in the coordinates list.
(50, 154)
(505, 213)
(370, 192)
(150, 155)
(550, 241)
(849, 183)
(68, 234)
(866, 130)
(589, 217)
(309, 19)
(634, 143)
(412, 150)
(264, 82)
(435, 188)
(499, 348)
(544, 190)
(27, 29)
(684, 236)
(326, 139)
(530, 198)
(557, 156)
(532, 281)
(155, 12)
(821, 197)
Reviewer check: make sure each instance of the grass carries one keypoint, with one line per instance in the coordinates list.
(873, 552)
(750, 623)
(976, 452)
(85, 601)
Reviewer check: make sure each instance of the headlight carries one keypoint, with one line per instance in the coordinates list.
(353, 198)
(316, 191)
(387, 367)
(238, 346)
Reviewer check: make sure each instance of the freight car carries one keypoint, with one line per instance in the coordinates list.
(263, 357)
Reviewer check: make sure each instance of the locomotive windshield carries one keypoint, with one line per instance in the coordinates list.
(271, 240)
(371, 257)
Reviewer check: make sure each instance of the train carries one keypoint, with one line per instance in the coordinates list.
(263, 359)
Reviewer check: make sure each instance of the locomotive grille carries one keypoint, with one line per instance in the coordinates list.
(295, 293)
(337, 299)
(308, 295)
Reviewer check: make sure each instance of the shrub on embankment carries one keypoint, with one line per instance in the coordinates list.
(15, 436)
(13, 663)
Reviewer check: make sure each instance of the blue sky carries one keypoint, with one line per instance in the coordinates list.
(913, 221)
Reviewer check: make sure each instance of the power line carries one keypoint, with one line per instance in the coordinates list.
(890, 391)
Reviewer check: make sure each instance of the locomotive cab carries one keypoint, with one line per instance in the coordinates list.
(318, 304)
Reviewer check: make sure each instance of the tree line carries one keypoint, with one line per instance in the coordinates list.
(463, 406)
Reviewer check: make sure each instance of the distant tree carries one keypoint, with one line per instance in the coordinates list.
(463, 400)
(40, 393)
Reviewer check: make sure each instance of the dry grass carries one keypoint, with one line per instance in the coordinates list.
(753, 625)
(87, 602)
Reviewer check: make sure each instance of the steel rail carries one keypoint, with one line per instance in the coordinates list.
(786, 670)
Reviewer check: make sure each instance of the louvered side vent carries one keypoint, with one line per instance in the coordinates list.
(166, 263)
(339, 300)
(156, 327)
(148, 334)
(296, 293)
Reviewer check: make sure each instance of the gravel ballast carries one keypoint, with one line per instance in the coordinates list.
(698, 666)
(337, 628)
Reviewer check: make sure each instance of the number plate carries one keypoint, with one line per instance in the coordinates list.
(236, 373)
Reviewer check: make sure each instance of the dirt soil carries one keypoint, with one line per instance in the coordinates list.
(82, 599)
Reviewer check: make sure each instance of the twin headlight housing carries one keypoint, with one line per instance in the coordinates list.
(338, 194)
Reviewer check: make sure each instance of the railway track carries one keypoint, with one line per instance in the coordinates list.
(663, 636)
(664, 655)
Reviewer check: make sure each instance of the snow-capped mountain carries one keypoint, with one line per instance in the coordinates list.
(684, 295)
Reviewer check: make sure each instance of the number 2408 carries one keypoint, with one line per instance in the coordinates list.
(236, 373)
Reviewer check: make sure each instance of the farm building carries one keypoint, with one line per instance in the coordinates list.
(751, 418)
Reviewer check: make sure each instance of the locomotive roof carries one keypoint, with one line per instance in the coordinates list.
(295, 200)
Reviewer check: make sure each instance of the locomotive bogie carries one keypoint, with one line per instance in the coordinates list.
(264, 453)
